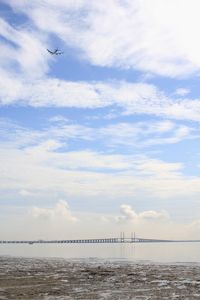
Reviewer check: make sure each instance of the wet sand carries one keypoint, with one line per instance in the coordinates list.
(49, 279)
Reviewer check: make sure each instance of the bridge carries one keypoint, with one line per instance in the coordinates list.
(112, 240)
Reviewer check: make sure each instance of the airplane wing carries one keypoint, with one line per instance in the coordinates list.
(55, 52)
(50, 51)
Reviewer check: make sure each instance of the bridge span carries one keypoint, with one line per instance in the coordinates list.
(96, 241)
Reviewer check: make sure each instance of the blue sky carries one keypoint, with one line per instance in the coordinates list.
(106, 136)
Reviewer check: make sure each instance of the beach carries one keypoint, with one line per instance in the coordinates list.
(57, 278)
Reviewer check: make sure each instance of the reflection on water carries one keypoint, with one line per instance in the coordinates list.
(158, 252)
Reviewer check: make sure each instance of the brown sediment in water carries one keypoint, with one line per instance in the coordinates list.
(49, 279)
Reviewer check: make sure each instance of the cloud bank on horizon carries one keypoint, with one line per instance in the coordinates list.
(112, 123)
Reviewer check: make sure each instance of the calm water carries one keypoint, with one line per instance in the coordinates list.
(163, 252)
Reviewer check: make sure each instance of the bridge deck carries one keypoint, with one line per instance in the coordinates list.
(97, 241)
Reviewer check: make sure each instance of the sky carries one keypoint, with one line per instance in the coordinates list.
(105, 137)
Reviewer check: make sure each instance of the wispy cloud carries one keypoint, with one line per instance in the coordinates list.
(59, 134)
(46, 164)
(22, 51)
(182, 92)
(26, 71)
(132, 98)
(143, 134)
(137, 41)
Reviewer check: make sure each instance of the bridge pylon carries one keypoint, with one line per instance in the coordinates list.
(122, 237)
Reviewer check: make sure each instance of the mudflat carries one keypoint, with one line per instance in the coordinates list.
(49, 279)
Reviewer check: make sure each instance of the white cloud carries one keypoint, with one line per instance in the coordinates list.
(143, 134)
(59, 134)
(23, 52)
(85, 174)
(182, 91)
(24, 59)
(151, 36)
(195, 225)
(41, 162)
(19, 64)
(25, 193)
(128, 214)
(59, 222)
(155, 166)
(44, 223)
(24, 70)
(132, 98)
(60, 210)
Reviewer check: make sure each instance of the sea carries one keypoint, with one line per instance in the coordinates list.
(138, 252)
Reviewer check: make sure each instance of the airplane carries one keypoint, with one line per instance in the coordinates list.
(55, 52)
